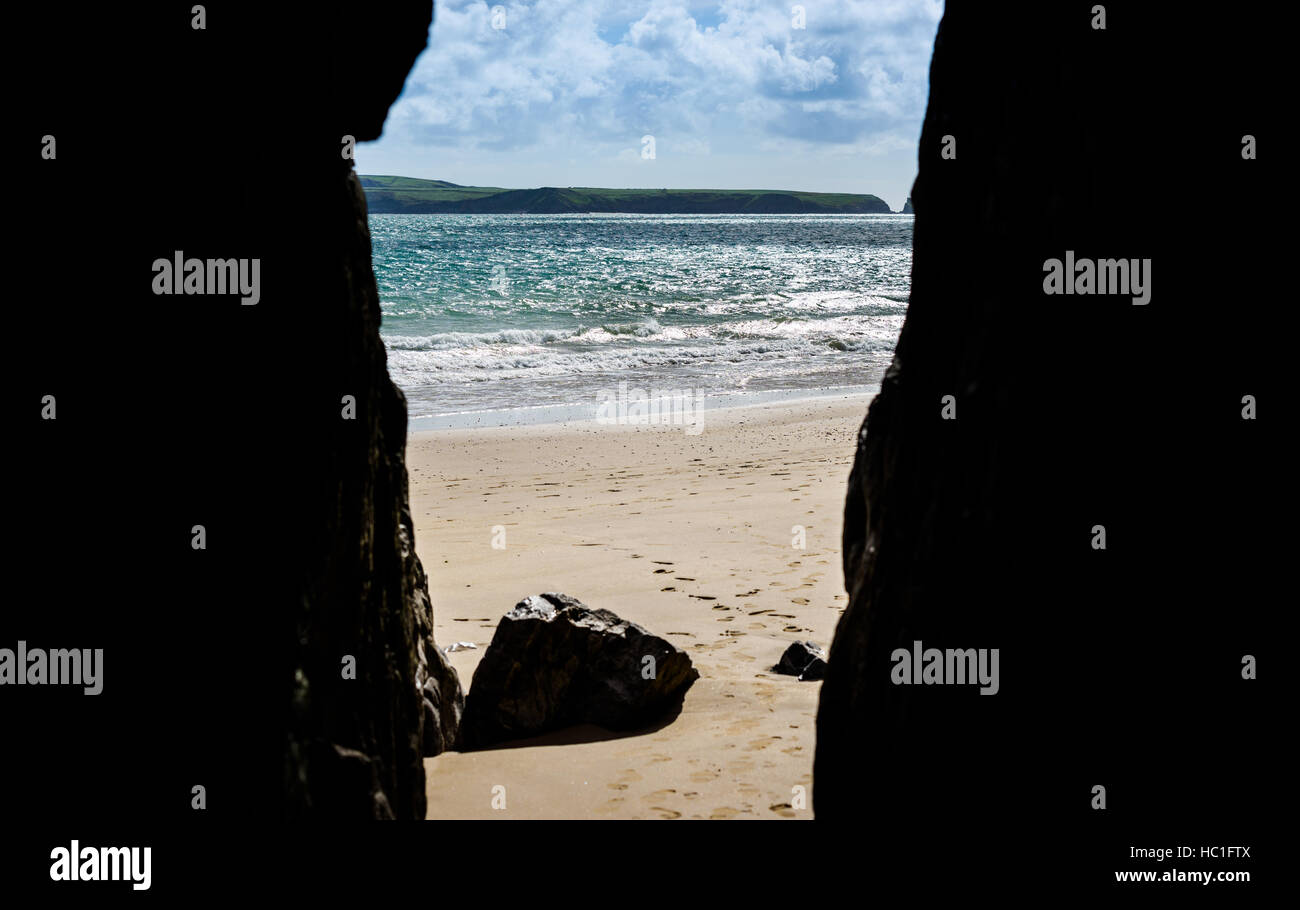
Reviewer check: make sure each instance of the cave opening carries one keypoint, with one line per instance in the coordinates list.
(645, 399)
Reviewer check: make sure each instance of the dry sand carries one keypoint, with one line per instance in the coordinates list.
(688, 535)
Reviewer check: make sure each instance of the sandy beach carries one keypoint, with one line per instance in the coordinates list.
(691, 536)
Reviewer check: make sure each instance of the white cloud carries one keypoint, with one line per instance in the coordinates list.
(574, 81)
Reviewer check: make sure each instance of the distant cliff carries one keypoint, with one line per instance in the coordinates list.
(409, 195)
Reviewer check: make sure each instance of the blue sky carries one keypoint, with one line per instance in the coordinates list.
(735, 96)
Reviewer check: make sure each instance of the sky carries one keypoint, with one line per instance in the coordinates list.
(730, 95)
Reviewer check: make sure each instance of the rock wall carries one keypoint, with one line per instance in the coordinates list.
(1070, 412)
(274, 425)
(355, 746)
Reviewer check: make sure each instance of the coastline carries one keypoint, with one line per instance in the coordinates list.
(688, 535)
(571, 414)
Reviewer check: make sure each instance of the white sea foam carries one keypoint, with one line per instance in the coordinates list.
(482, 312)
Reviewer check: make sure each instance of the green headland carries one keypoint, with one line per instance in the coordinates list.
(411, 195)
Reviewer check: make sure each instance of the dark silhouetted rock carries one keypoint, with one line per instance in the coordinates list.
(439, 685)
(907, 207)
(310, 558)
(555, 662)
(367, 594)
(978, 531)
(364, 591)
(359, 794)
(804, 659)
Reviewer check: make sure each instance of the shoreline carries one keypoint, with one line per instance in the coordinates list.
(691, 536)
(562, 415)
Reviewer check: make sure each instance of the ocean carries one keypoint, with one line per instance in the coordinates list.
(497, 319)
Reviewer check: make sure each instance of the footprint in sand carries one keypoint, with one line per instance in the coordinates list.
(658, 796)
(799, 600)
(724, 812)
(667, 589)
(666, 813)
(612, 805)
(703, 596)
(785, 810)
(626, 777)
(680, 578)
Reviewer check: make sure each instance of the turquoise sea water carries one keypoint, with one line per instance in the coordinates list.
(546, 312)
